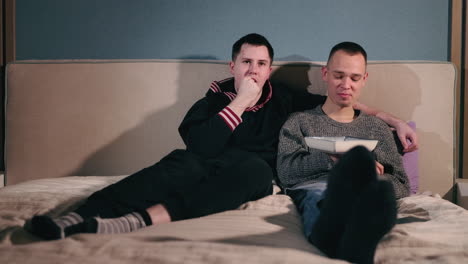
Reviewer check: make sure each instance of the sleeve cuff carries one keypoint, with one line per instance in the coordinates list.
(230, 118)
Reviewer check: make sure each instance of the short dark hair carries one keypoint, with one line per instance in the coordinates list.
(349, 47)
(252, 39)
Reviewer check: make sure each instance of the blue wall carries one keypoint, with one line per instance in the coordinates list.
(171, 29)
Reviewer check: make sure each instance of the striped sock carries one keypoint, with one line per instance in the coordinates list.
(68, 220)
(127, 223)
(49, 228)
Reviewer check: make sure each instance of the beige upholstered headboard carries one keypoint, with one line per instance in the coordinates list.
(115, 117)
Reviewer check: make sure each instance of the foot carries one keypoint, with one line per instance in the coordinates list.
(373, 216)
(48, 228)
(353, 172)
(44, 227)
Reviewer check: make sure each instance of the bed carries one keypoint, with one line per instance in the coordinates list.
(73, 127)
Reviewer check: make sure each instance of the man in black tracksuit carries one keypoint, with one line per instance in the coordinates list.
(231, 137)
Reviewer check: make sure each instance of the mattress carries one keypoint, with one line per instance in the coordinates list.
(429, 230)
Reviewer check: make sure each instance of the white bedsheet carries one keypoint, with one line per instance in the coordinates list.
(429, 230)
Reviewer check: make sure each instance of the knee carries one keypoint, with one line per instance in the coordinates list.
(358, 159)
(254, 177)
(359, 154)
(180, 159)
(354, 170)
(255, 171)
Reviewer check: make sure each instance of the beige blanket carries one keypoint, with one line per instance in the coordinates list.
(429, 230)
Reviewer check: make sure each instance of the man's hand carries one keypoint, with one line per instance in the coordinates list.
(404, 131)
(334, 157)
(407, 136)
(249, 92)
(247, 95)
(379, 167)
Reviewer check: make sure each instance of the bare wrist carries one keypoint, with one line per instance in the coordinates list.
(237, 108)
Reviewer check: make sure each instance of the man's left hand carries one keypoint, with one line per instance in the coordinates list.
(407, 136)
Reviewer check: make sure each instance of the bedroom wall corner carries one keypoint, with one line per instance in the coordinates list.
(7, 54)
(462, 193)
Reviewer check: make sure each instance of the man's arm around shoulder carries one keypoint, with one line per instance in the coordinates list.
(404, 131)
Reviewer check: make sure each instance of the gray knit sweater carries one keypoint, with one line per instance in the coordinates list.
(298, 164)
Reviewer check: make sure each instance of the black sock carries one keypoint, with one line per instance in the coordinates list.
(374, 214)
(53, 228)
(75, 229)
(146, 217)
(354, 171)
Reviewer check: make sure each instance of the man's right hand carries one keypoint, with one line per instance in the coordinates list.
(249, 92)
(378, 166)
(334, 157)
(247, 95)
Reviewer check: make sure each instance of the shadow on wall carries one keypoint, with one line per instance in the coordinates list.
(300, 77)
(156, 135)
(406, 98)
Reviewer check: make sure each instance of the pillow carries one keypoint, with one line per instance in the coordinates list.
(410, 163)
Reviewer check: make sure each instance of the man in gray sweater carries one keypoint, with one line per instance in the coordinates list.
(347, 201)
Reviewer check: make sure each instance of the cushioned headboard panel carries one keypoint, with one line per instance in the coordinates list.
(115, 117)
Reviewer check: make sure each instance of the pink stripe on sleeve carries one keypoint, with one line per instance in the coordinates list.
(231, 119)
